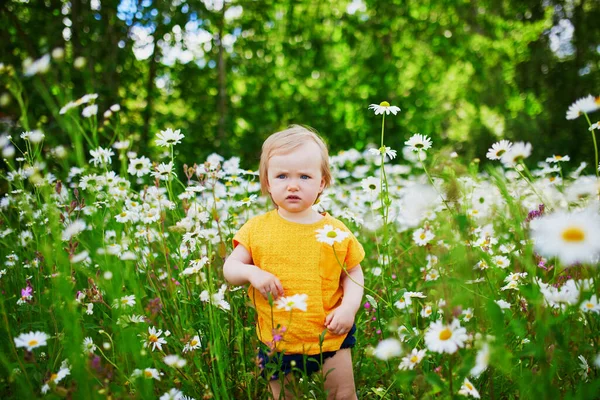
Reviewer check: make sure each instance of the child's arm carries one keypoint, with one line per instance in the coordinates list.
(239, 270)
(341, 319)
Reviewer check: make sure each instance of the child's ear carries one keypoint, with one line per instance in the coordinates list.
(322, 185)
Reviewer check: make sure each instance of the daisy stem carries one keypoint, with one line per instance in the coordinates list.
(595, 145)
(450, 377)
(529, 183)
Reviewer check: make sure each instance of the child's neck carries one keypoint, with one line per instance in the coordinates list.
(308, 216)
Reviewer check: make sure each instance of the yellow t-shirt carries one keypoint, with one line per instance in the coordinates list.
(290, 251)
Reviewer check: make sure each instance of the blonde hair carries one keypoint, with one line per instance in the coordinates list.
(286, 141)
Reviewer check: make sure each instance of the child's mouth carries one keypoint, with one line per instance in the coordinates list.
(293, 198)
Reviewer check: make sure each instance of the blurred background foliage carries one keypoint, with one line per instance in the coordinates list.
(230, 73)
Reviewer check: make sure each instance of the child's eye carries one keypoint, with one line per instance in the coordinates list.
(305, 177)
(280, 176)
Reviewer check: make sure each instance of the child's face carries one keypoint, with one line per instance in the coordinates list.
(295, 178)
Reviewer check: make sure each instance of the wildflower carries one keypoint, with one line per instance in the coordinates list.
(482, 361)
(595, 125)
(58, 53)
(426, 312)
(173, 360)
(411, 360)
(467, 314)
(371, 185)
(387, 349)
(501, 261)
(572, 237)
(39, 66)
(101, 156)
(154, 340)
(35, 136)
(57, 377)
(164, 171)
(31, 340)
(139, 166)
(498, 149)
(147, 373)
(193, 344)
(585, 368)
(246, 201)
(583, 105)
(88, 345)
(125, 301)
(442, 338)
(556, 159)
(591, 305)
(517, 152)
(169, 137)
(384, 150)
(422, 236)
(418, 142)
(74, 228)
(289, 303)
(384, 107)
(330, 235)
(172, 394)
(90, 111)
(467, 389)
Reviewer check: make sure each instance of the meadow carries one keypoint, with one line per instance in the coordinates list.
(480, 281)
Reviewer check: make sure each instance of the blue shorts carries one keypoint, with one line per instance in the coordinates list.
(303, 362)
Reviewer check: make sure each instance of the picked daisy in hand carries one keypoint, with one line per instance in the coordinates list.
(384, 107)
(295, 302)
(330, 235)
(169, 137)
(418, 142)
(444, 338)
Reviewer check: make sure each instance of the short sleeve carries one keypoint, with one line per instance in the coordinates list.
(243, 236)
(355, 253)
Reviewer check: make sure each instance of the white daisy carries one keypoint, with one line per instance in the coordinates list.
(583, 105)
(517, 152)
(31, 340)
(411, 360)
(371, 185)
(193, 344)
(172, 394)
(101, 156)
(590, 305)
(467, 389)
(387, 151)
(90, 111)
(501, 261)
(442, 338)
(482, 361)
(139, 166)
(422, 236)
(418, 142)
(556, 159)
(246, 201)
(295, 302)
(57, 377)
(572, 237)
(153, 339)
(384, 107)
(330, 235)
(169, 137)
(387, 349)
(164, 171)
(498, 149)
(88, 345)
(173, 360)
(503, 304)
(595, 125)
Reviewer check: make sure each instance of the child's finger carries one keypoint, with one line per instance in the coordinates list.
(279, 287)
(328, 319)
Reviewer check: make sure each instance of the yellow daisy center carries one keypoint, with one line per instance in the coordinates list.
(123, 214)
(246, 199)
(469, 386)
(148, 374)
(384, 104)
(331, 234)
(589, 305)
(193, 342)
(558, 157)
(153, 338)
(32, 342)
(414, 359)
(53, 377)
(500, 152)
(445, 334)
(573, 234)
(422, 236)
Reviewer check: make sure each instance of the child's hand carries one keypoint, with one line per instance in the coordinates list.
(340, 320)
(266, 283)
